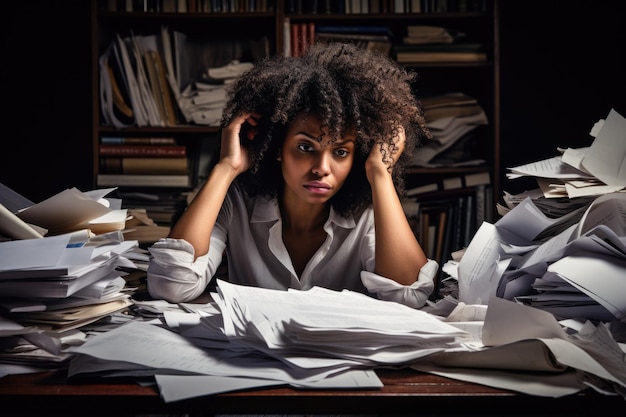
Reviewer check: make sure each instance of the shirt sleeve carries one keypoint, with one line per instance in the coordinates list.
(174, 276)
(414, 295)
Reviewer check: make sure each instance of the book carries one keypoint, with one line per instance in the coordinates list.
(434, 56)
(442, 47)
(447, 99)
(375, 42)
(139, 44)
(448, 52)
(477, 178)
(139, 111)
(432, 218)
(373, 29)
(295, 41)
(144, 180)
(158, 86)
(166, 90)
(447, 186)
(165, 151)
(122, 140)
(426, 188)
(424, 34)
(143, 165)
(121, 101)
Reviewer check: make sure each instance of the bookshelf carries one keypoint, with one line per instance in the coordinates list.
(272, 20)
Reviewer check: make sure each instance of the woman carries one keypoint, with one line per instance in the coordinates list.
(306, 189)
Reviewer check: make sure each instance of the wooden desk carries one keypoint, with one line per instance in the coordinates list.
(405, 392)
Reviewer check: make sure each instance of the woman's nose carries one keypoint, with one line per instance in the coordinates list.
(322, 164)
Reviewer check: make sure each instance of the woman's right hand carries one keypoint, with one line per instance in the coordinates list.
(232, 152)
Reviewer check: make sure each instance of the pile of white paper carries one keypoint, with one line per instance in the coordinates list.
(260, 337)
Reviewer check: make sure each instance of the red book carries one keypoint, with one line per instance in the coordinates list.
(154, 151)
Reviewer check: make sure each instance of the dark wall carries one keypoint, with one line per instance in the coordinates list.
(46, 93)
(562, 70)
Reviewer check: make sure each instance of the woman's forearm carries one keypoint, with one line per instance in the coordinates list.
(399, 256)
(196, 223)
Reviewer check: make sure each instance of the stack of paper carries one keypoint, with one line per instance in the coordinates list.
(593, 171)
(66, 285)
(325, 323)
(315, 338)
(575, 271)
(451, 118)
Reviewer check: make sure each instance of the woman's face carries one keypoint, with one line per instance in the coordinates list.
(314, 168)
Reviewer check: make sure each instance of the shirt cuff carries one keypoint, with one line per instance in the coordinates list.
(179, 253)
(414, 295)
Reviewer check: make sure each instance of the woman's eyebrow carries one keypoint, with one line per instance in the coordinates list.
(344, 142)
(308, 134)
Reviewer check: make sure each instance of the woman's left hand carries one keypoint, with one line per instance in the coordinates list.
(385, 155)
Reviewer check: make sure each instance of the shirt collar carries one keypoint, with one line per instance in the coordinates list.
(266, 210)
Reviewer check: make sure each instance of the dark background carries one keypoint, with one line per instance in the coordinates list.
(562, 69)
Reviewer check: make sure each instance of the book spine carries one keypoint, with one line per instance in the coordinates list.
(169, 151)
(131, 165)
(120, 140)
(138, 180)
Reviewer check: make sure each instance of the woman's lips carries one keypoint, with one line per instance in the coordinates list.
(317, 187)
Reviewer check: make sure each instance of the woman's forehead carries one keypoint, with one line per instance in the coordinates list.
(314, 126)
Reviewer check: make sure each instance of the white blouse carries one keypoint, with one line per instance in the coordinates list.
(249, 231)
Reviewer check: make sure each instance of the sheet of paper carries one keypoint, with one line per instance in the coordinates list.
(508, 322)
(180, 387)
(533, 383)
(605, 158)
(16, 228)
(600, 276)
(548, 168)
(18, 254)
(66, 211)
(481, 266)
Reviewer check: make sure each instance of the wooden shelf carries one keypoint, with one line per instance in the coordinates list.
(478, 79)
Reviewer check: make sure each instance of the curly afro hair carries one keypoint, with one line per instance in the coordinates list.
(351, 89)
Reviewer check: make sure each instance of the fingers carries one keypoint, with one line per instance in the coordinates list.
(249, 125)
(400, 140)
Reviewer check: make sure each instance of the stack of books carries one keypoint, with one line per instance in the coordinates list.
(143, 162)
(368, 37)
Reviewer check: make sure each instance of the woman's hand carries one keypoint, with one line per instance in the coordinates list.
(232, 152)
(384, 156)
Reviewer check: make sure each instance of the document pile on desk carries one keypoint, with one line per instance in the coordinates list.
(572, 265)
(46, 299)
(560, 249)
(59, 272)
(252, 337)
(256, 337)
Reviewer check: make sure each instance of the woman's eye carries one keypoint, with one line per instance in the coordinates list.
(305, 147)
(341, 152)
